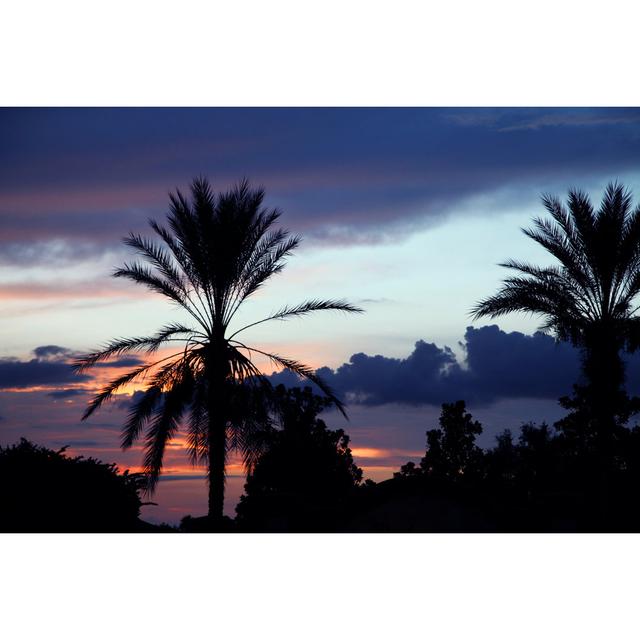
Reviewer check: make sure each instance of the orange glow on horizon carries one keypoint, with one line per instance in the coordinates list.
(369, 452)
(373, 452)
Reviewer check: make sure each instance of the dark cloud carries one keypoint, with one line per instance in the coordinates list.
(498, 366)
(127, 402)
(515, 365)
(124, 361)
(71, 442)
(66, 393)
(19, 374)
(74, 181)
(51, 366)
(51, 352)
(54, 353)
(419, 378)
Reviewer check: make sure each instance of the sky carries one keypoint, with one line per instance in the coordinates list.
(406, 213)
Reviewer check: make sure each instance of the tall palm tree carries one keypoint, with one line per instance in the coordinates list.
(588, 298)
(217, 251)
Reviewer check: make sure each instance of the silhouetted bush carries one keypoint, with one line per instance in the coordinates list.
(306, 473)
(207, 524)
(47, 491)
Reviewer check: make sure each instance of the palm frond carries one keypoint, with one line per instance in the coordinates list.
(197, 427)
(303, 371)
(157, 257)
(149, 344)
(140, 274)
(110, 389)
(165, 425)
(139, 414)
(303, 309)
(272, 264)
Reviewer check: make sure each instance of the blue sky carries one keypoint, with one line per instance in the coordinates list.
(405, 212)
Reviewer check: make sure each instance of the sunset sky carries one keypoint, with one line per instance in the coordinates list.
(404, 212)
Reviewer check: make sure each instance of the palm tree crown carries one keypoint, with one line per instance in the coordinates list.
(588, 298)
(599, 272)
(216, 252)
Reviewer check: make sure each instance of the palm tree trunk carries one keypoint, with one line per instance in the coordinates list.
(217, 448)
(605, 371)
(217, 460)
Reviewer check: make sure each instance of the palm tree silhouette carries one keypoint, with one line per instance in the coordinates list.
(216, 253)
(588, 298)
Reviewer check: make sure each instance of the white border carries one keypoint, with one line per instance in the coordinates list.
(284, 52)
(331, 53)
(320, 586)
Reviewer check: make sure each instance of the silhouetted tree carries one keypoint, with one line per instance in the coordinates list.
(46, 490)
(588, 299)
(537, 452)
(502, 462)
(305, 472)
(540, 481)
(451, 450)
(409, 470)
(216, 253)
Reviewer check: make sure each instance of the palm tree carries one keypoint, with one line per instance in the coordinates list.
(588, 298)
(216, 252)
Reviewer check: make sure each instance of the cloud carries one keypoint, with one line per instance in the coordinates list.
(51, 352)
(515, 365)
(124, 361)
(51, 366)
(73, 181)
(374, 301)
(54, 353)
(66, 393)
(126, 402)
(528, 119)
(76, 443)
(16, 374)
(497, 366)
(417, 379)
(99, 290)
(577, 120)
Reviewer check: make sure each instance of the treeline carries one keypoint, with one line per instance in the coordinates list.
(542, 478)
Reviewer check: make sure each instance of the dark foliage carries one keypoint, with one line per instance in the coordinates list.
(306, 474)
(545, 481)
(587, 298)
(451, 450)
(47, 491)
(205, 524)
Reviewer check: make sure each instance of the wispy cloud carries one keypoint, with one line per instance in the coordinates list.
(509, 120)
(576, 120)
